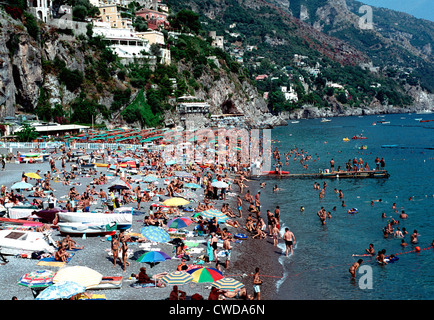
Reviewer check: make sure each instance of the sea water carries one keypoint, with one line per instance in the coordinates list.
(318, 269)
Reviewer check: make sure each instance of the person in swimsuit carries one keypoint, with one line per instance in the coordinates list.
(276, 234)
(289, 239)
(257, 282)
(354, 267)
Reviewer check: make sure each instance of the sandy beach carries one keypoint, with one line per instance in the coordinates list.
(246, 254)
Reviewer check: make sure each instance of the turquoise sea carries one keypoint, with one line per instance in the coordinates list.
(318, 269)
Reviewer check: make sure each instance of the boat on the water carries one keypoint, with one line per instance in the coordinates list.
(358, 137)
(275, 172)
(88, 228)
(13, 242)
(325, 120)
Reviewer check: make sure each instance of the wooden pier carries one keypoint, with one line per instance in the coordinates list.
(328, 175)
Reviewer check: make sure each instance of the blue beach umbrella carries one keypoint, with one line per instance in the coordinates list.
(156, 234)
(192, 186)
(153, 257)
(61, 290)
(149, 179)
(21, 185)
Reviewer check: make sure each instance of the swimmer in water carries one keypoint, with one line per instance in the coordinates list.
(370, 250)
(354, 267)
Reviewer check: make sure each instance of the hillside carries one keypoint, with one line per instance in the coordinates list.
(68, 78)
(367, 69)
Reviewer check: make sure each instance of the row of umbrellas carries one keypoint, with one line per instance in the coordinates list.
(71, 281)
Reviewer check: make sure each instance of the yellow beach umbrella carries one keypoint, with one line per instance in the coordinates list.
(173, 202)
(82, 275)
(32, 175)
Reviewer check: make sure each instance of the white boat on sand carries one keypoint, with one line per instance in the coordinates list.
(122, 219)
(88, 228)
(13, 242)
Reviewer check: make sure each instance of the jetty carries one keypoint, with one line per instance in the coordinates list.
(327, 175)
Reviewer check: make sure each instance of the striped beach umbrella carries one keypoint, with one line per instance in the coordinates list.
(177, 278)
(201, 275)
(180, 222)
(227, 284)
(211, 213)
(37, 279)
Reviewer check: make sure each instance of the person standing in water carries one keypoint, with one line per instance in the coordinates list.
(289, 239)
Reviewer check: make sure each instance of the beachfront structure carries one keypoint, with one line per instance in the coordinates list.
(155, 19)
(157, 37)
(112, 14)
(124, 42)
(192, 107)
(41, 9)
(56, 129)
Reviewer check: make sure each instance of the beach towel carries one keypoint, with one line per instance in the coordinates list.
(142, 285)
(50, 261)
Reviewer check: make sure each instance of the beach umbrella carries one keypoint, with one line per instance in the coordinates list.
(183, 174)
(120, 184)
(177, 278)
(33, 175)
(192, 186)
(149, 179)
(211, 213)
(61, 290)
(156, 234)
(153, 257)
(81, 275)
(186, 194)
(227, 284)
(170, 162)
(201, 275)
(178, 223)
(21, 185)
(219, 184)
(37, 279)
(176, 201)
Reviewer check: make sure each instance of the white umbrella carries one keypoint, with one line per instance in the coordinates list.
(219, 184)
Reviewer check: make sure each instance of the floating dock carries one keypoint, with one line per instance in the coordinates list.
(328, 175)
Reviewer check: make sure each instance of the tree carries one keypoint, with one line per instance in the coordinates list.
(27, 133)
(186, 20)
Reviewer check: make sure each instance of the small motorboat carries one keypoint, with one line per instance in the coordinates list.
(88, 228)
(359, 137)
(346, 139)
(325, 120)
(13, 242)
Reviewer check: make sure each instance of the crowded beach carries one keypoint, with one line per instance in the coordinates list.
(139, 219)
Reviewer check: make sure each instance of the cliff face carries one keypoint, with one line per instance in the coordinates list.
(20, 68)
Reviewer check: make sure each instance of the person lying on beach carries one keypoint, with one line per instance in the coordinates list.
(233, 223)
(237, 294)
